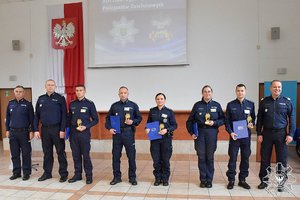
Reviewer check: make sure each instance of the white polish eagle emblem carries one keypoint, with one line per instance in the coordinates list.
(64, 33)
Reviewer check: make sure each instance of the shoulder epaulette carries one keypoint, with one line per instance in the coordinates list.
(288, 98)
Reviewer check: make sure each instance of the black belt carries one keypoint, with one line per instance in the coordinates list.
(19, 129)
(50, 126)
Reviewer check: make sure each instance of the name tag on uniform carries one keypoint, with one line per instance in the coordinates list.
(247, 111)
(126, 108)
(54, 100)
(82, 110)
(213, 110)
(164, 115)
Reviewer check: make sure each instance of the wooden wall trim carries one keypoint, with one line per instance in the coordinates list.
(99, 131)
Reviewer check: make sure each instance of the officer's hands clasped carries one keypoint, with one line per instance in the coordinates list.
(128, 121)
(81, 128)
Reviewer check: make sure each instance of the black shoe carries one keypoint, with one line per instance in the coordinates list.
(230, 185)
(280, 189)
(115, 181)
(15, 176)
(74, 179)
(157, 182)
(26, 177)
(133, 182)
(63, 179)
(245, 185)
(262, 185)
(203, 184)
(208, 185)
(89, 181)
(165, 183)
(44, 177)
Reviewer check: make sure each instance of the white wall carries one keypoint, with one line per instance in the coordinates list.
(222, 50)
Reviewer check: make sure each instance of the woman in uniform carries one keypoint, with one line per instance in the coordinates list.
(161, 149)
(203, 123)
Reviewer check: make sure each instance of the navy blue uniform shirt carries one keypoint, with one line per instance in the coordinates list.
(51, 110)
(164, 116)
(198, 112)
(236, 111)
(122, 108)
(19, 114)
(85, 110)
(275, 114)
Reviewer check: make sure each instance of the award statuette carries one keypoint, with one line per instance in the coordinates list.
(249, 119)
(127, 116)
(161, 126)
(207, 118)
(79, 124)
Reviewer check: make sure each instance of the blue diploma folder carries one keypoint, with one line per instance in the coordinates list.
(154, 129)
(241, 129)
(115, 123)
(195, 129)
(67, 133)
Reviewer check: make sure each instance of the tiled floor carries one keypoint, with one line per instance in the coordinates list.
(184, 183)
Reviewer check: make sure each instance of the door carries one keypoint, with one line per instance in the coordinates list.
(7, 94)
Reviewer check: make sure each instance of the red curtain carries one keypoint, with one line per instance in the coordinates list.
(74, 58)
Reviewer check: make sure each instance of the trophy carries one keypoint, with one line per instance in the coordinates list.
(161, 126)
(249, 119)
(207, 118)
(127, 116)
(79, 124)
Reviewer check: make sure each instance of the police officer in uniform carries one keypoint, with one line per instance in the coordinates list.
(239, 109)
(130, 117)
(161, 149)
(51, 111)
(275, 114)
(19, 120)
(209, 116)
(83, 115)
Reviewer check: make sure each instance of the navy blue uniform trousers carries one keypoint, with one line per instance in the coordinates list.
(20, 142)
(205, 146)
(233, 150)
(81, 146)
(126, 139)
(161, 152)
(270, 137)
(50, 137)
